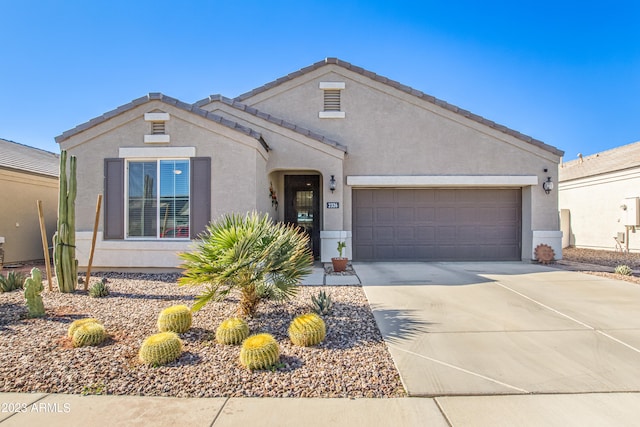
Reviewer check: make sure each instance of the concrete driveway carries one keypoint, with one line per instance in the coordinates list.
(505, 328)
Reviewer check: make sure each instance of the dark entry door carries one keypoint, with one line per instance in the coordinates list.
(302, 206)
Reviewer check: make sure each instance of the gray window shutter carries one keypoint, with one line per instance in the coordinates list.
(200, 194)
(113, 199)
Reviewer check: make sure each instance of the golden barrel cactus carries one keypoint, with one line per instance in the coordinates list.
(160, 349)
(259, 352)
(232, 331)
(307, 330)
(91, 333)
(176, 319)
(77, 323)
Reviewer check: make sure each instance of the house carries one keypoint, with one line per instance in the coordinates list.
(599, 199)
(344, 153)
(27, 174)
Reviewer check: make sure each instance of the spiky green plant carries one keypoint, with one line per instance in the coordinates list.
(307, 330)
(32, 290)
(99, 290)
(64, 240)
(322, 303)
(14, 280)
(624, 270)
(232, 331)
(80, 322)
(91, 333)
(247, 254)
(259, 351)
(160, 349)
(176, 319)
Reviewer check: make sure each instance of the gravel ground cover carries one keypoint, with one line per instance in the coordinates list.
(36, 356)
(600, 263)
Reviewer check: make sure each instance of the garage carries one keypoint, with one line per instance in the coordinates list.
(474, 224)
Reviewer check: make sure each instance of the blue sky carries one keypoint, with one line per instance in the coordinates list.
(564, 72)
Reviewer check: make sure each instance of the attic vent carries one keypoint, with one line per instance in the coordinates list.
(157, 128)
(332, 108)
(331, 100)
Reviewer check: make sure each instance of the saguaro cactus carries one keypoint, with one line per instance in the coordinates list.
(64, 241)
(32, 289)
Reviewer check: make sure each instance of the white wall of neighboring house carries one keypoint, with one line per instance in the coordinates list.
(593, 210)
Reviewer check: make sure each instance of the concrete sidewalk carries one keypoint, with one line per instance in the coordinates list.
(567, 410)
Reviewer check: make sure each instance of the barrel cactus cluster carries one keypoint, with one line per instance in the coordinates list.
(176, 319)
(307, 330)
(232, 331)
(160, 349)
(259, 351)
(84, 332)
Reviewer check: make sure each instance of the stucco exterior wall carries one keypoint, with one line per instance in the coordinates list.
(594, 209)
(236, 161)
(390, 132)
(19, 224)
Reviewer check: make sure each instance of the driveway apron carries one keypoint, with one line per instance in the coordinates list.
(505, 328)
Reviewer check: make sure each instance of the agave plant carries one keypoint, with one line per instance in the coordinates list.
(250, 254)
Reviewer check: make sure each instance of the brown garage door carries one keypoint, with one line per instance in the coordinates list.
(436, 224)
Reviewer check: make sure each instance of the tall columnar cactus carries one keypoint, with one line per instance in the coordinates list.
(64, 241)
(32, 289)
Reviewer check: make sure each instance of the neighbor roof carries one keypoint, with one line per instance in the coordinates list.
(27, 159)
(167, 100)
(268, 117)
(616, 159)
(403, 88)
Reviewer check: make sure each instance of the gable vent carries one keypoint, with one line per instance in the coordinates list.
(157, 128)
(331, 100)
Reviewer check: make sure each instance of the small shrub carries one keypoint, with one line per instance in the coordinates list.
(99, 290)
(90, 333)
(232, 331)
(259, 351)
(307, 330)
(322, 303)
(14, 280)
(624, 270)
(160, 349)
(176, 319)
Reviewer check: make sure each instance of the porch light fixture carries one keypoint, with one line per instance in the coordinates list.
(332, 183)
(547, 186)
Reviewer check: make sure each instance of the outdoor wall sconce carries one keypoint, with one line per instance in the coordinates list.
(332, 183)
(547, 186)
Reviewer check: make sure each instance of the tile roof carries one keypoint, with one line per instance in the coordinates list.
(403, 88)
(616, 159)
(268, 117)
(28, 159)
(167, 100)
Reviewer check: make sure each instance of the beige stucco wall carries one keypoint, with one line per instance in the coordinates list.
(594, 209)
(236, 161)
(390, 132)
(19, 224)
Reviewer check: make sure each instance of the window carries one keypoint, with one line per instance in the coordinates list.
(158, 199)
(332, 108)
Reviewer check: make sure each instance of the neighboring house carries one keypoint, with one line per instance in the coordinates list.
(599, 199)
(27, 175)
(342, 152)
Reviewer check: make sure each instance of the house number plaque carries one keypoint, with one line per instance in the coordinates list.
(333, 205)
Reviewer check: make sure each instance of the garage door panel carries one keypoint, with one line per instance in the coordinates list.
(437, 224)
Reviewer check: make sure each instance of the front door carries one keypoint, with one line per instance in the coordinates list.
(302, 206)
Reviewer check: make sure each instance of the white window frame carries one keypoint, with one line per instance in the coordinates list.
(157, 183)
